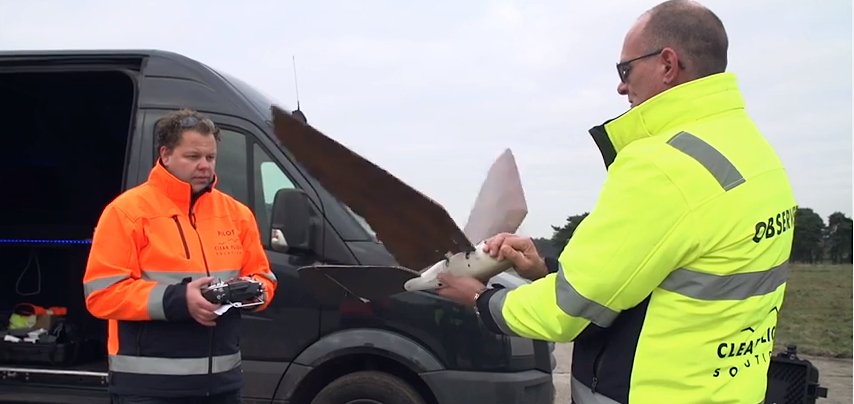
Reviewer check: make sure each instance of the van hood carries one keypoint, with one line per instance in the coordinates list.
(416, 230)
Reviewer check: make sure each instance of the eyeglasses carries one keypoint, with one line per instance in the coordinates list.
(623, 68)
(192, 122)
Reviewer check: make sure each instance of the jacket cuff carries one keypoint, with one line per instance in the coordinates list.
(175, 302)
(482, 307)
(552, 264)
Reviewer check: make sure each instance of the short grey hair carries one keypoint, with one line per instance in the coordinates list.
(693, 30)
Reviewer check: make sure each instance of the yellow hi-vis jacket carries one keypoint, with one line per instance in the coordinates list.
(671, 287)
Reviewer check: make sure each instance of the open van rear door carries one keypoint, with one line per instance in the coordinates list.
(417, 231)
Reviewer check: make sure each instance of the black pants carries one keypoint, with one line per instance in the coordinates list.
(224, 398)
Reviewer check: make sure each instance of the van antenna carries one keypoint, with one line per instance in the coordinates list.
(297, 113)
(296, 83)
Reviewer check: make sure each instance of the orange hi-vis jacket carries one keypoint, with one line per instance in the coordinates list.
(149, 242)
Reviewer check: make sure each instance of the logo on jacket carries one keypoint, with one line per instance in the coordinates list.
(227, 243)
(754, 346)
(774, 225)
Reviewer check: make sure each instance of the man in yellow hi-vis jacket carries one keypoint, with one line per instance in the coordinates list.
(671, 287)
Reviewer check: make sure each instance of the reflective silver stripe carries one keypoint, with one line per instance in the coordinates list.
(723, 170)
(225, 274)
(173, 277)
(155, 302)
(705, 286)
(496, 302)
(101, 284)
(581, 394)
(172, 366)
(521, 346)
(576, 305)
(269, 275)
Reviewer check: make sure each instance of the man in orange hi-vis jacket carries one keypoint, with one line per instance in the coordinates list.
(154, 248)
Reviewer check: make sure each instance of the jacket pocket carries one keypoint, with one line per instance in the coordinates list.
(597, 364)
(183, 237)
(174, 339)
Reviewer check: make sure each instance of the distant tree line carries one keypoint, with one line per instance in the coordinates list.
(814, 241)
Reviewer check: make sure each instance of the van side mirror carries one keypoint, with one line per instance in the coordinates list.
(295, 224)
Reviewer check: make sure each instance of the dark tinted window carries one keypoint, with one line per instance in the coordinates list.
(232, 175)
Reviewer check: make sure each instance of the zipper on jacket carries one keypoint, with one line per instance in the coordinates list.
(597, 365)
(204, 257)
(183, 239)
(208, 271)
(139, 339)
(210, 358)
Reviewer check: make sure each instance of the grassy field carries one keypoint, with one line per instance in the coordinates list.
(816, 314)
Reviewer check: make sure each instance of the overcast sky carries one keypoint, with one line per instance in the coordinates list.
(434, 91)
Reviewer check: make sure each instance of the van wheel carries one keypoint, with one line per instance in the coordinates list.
(368, 387)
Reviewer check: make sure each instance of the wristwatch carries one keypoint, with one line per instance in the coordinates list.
(477, 296)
